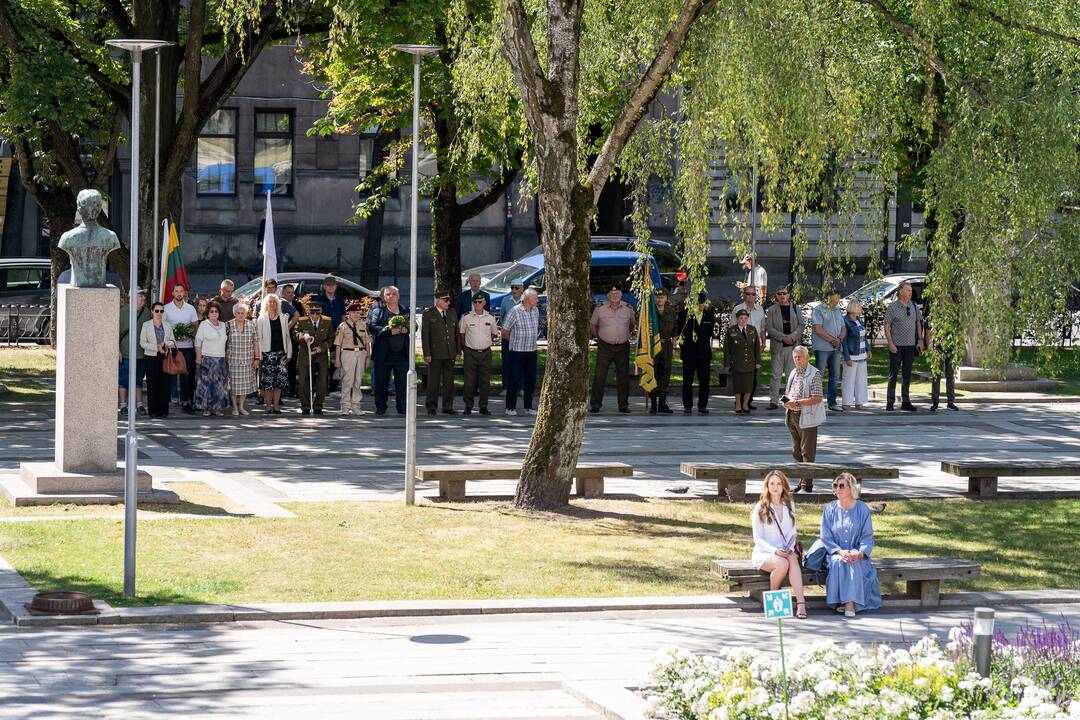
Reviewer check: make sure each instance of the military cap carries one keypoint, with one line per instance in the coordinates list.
(741, 311)
(611, 288)
(330, 279)
(443, 295)
(703, 297)
(478, 296)
(660, 291)
(310, 305)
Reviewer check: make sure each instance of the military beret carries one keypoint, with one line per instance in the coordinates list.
(355, 306)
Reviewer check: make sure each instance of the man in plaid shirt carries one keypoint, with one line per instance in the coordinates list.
(521, 327)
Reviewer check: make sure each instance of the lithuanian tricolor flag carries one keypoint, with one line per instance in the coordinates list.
(648, 336)
(172, 263)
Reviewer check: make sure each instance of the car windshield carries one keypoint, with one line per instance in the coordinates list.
(874, 290)
(519, 272)
(249, 288)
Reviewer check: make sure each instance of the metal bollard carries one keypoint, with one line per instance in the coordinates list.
(983, 633)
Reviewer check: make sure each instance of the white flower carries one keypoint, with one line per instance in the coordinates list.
(947, 694)
(920, 682)
(803, 702)
(967, 685)
(718, 713)
(826, 687)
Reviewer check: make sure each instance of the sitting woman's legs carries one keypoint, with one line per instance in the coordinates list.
(777, 567)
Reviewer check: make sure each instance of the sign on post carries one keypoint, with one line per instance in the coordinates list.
(777, 607)
(778, 604)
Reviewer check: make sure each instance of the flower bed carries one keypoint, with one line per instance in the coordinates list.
(1037, 675)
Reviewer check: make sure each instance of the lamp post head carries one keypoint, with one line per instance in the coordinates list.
(984, 621)
(418, 51)
(136, 47)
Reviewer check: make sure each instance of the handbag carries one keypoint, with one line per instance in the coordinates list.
(815, 558)
(174, 363)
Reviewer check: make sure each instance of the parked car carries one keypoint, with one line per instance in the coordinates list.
(306, 283)
(670, 264)
(25, 285)
(608, 267)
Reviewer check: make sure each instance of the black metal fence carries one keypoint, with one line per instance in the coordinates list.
(25, 323)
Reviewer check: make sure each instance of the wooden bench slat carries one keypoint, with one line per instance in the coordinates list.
(755, 470)
(1015, 468)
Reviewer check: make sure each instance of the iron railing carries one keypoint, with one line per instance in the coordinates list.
(24, 323)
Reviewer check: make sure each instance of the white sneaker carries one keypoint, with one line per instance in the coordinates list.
(530, 412)
(511, 412)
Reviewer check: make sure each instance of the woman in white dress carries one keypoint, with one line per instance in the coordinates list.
(775, 536)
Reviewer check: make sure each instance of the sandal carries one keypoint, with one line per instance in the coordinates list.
(800, 611)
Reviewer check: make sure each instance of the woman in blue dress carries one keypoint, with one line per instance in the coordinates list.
(848, 535)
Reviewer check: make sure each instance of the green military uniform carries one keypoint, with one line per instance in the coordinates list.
(663, 359)
(742, 353)
(323, 334)
(439, 339)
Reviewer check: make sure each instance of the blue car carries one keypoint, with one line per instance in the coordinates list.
(608, 267)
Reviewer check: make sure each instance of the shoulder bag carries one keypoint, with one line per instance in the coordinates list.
(174, 363)
(798, 548)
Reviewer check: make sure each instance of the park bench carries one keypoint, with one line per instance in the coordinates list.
(922, 575)
(588, 476)
(983, 475)
(731, 477)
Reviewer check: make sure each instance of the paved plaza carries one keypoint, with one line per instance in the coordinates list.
(457, 668)
(263, 460)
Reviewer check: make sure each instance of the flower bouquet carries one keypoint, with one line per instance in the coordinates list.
(398, 321)
(183, 331)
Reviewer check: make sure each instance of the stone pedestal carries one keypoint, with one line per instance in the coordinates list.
(85, 470)
(1012, 378)
(86, 369)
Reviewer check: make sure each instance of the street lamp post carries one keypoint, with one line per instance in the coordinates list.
(131, 443)
(417, 52)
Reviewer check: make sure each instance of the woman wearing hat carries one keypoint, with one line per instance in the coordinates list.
(742, 355)
(353, 345)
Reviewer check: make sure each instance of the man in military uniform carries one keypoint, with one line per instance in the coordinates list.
(439, 340)
(477, 331)
(317, 332)
(662, 361)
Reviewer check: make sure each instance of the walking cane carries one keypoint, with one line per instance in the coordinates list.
(310, 385)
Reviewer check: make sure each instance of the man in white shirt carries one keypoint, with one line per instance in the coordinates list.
(180, 311)
(478, 329)
(757, 319)
(756, 277)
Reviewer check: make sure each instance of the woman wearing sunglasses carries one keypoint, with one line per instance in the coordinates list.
(775, 537)
(848, 535)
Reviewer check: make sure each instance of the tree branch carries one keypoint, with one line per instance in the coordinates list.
(520, 52)
(1015, 25)
(926, 49)
(24, 157)
(477, 205)
(66, 153)
(647, 88)
(110, 154)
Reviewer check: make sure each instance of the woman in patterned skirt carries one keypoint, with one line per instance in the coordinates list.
(243, 354)
(211, 375)
(275, 346)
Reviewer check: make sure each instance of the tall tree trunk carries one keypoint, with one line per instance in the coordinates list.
(566, 210)
(446, 238)
(371, 260)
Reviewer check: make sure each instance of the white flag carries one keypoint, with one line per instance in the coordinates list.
(269, 250)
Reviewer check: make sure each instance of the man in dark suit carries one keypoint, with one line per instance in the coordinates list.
(463, 304)
(696, 353)
(439, 339)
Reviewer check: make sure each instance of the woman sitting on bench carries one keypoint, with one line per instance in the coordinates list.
(848, 535)
(773, 522)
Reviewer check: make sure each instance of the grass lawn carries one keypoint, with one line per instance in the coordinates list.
(374, 550)
(27, 371)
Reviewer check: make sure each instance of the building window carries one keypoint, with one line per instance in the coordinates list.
(216, 155)
(273, 153)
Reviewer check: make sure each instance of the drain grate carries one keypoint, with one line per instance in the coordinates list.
(63, 602)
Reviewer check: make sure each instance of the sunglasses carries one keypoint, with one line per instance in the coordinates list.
(908, 308)
(158, 312)
(781, 293)
(839, 486)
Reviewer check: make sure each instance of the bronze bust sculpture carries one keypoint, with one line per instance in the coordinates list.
(89, 244)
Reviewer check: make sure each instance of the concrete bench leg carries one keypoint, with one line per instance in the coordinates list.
(735, 490)
(590, 487)
(984, 487)
(927, 591)
(452, 489)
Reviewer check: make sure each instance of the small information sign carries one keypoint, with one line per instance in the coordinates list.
(778, 604)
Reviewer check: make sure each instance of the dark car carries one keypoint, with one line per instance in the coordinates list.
(25, 285)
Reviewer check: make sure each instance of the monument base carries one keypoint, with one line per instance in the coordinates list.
(47, 484)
